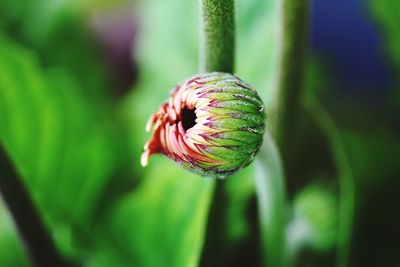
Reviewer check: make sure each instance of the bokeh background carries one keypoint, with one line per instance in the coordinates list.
(78, 80)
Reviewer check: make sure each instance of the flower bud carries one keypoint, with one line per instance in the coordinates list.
(213, 124)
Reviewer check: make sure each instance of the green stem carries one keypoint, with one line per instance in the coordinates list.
(217, 29)
(217, 35)
(214, 248)
(37, 240)
(294, 40)
(271, 198)
(269, 179)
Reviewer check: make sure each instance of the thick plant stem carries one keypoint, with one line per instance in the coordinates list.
(294, 40)
(38, 243)
(217, 42)
(217, 30)
(214, 248)
(271, 197)
(269, 179)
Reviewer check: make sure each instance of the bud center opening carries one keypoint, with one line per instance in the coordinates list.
(188, 118)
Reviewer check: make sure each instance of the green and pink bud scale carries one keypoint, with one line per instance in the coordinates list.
(213, 124)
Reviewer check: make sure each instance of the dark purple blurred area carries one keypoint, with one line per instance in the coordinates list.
(115, 31)
(344, 32)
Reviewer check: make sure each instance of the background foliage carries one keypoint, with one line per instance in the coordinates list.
(72, 116)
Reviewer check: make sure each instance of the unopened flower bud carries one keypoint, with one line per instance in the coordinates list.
(213, 124)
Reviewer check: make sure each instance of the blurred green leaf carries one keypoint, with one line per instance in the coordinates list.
(162, 223)
(316, 205)
(385, 13)
(366, 162)
(12, 254)
(374, 155)
(345, 175)
(365, 150)
(59, 33)
(63, 145)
